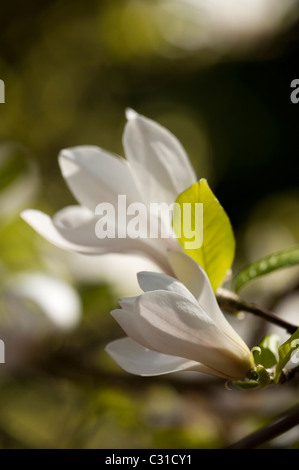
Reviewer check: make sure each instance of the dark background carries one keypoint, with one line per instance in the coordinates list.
(70, 70)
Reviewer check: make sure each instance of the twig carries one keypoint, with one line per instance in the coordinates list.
(232, 303)
(282, 424)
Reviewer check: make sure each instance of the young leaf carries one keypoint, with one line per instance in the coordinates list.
(272, 262)
(266, 353)
(285, 352)
(217, 250)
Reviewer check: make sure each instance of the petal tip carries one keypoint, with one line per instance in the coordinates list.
(29, 214)
(131, 114)
(116, 312)
(24, 214)
(141, 274)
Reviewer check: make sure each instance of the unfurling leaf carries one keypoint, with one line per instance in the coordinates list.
(268, 264)
(285, 352)
(216, 253)
(266, 353)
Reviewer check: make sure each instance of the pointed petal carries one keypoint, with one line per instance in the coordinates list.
(172, 324)
(149, 281)
(73, 229)
(127, 303)
(197, 281)
(138, 360)
(94, 176)
(43, 224)
(127, 319)
(158, 160)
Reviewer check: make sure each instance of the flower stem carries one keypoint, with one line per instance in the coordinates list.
(232, 303)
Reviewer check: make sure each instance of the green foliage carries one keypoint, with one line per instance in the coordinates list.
(218, 248)
(12, 165)
(265, 353)
(268, 264)
(285, 352)
(265, 357)
(258, 377)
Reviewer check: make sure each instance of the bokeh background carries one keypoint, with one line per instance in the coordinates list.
(217, 74)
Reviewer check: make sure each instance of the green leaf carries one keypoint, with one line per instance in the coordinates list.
(216, 252)
(285, 352)
(268, 264)
(266, 353)
(264, 376)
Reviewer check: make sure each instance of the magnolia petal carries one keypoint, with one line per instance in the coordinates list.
(56, 299)
(127, 303)
(174, 325)
(73, 229)
(149, 281)
(126, 318)
(94, 176)
(44, 225)
(71, 217)
(138, 360)
(158, 160)
(196, 280)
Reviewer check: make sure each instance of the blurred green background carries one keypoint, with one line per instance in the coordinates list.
(220, 81)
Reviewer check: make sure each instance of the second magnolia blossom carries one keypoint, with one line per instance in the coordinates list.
(176, 325)
(156, 170)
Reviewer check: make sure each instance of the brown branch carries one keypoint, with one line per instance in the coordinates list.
(281, 424)
(232, 303)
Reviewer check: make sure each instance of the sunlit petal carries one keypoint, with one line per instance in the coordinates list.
(138, 360)
(158, 160)
(94, 176)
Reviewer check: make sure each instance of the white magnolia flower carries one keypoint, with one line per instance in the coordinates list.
(223, 25)
(34, 306)
(176, 325)
(38, 302)
(157, 170)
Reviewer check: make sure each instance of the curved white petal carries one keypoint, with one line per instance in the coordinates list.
(158, 161)
(95, 176)
(57, 300)
(67, 231)
(138, 360)
(43, 224)
(73, 229)
(196, 280)
(72, 217)
(149, 281)
(173, 325)
(127, 303)
(127, 319)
